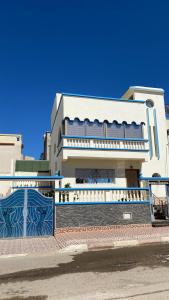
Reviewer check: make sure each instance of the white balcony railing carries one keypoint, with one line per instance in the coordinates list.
(76, 195)
(105, 144)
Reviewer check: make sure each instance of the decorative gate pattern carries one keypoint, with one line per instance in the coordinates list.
(26, 213)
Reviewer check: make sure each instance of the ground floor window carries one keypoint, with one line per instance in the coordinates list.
(94, 175)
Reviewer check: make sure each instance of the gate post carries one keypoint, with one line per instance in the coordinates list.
(167, 196)
(56, 193)
(151, 203)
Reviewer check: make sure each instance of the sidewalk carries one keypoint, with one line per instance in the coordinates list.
(110, 237)
(86, 239)
(24, 246)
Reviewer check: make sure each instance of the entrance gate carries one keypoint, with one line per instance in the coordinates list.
(159, 200)
(160, 207)
(26, 212)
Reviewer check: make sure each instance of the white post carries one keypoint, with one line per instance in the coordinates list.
(56, 193)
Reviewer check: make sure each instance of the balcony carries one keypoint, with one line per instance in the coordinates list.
(76, 146)
(101, 195)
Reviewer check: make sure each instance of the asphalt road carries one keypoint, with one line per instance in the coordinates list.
(126, 273)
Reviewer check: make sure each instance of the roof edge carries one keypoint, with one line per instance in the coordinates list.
(148, 89)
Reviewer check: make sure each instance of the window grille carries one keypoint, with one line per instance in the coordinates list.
(95, 175)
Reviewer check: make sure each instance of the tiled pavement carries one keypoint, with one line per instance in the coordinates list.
(106, 234)
(28, 245)
(64, 238)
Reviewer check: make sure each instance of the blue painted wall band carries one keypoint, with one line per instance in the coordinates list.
(156, 130)
(104, 149)
(147, 202)
(32, 187)
(154, 178)
(104, 98)
(103, 138)
(36, 178)
(102, 189)
(149, 133)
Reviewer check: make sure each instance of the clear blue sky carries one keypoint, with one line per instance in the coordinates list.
(78, 46)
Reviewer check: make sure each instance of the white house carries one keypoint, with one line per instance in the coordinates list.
(108, 141)
(104, 147)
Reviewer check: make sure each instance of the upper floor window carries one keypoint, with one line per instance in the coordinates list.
(149, 103)
(115, 130)
(133, 131)
(95, 128)
(102, 129)
(75, 127)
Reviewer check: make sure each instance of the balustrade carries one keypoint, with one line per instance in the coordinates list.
(95, 143)
(75, 195)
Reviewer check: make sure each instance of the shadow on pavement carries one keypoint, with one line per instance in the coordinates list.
(113, 260)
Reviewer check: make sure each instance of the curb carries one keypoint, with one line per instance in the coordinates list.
(96, 246)
(77, 248)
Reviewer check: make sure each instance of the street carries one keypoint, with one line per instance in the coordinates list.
(124, 273)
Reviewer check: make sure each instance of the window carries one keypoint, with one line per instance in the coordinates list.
(63, 127)
(156, 175)
(115, 130)
(59, 137)
(95, 128)
(149, 103)
(75, 128)
(155, 141)
(133, 131)
(95, 176)
(54, 148)
(102, 129)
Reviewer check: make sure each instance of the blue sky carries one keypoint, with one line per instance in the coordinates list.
(78, 46)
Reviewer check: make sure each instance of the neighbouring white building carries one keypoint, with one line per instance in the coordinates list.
(14, 164)
(32, 168)
(109, 142)
(10, 151)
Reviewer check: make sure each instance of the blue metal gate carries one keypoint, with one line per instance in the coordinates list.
(26, 213)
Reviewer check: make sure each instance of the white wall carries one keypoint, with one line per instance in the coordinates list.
(156, 165)
(10, 151)
(57, 125)
(103, 110)
(72, 107)
(69, 166)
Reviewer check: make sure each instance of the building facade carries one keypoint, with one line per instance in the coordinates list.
(109, 142)
(103, 148)
(106, 160)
